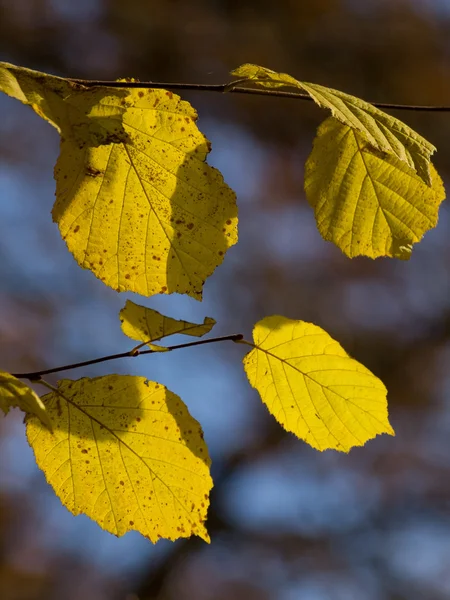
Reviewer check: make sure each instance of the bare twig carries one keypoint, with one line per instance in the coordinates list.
(36, 375)
(230, 88)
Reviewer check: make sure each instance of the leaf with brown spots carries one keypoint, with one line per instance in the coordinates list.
(126, 452)
(147, 325)
(136, 202)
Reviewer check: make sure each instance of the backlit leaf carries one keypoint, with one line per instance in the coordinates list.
(382, 131)
(127, 453)
(135, 201)
(366, 202)
(148, 325)
(16, 394)
(313, 387)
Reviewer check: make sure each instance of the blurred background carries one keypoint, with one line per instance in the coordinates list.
(286, 522)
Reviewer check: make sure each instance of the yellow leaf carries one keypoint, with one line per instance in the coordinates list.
(127, 453)
(366, 202)
(14, 393)
(44, 93)
(148, 325)
(382, 131)
(135, 201)
(313, 387)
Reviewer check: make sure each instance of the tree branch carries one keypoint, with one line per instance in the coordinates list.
(230, 88)
(36, 375)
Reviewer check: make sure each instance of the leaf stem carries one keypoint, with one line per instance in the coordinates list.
(231, 89)
(36, 375)
(246, 342)
(48, 385)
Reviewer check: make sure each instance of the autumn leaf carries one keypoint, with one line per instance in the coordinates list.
(384, 132)
(127, 453)
(16, 394)
(313, 387)
(366, 202)
(135, 201)
(148, 325)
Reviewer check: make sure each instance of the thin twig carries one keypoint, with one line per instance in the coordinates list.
(230, 89)
(36, 375)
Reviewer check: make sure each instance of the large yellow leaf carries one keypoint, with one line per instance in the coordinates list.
(366, 202)
(135, 201)
(313, 387)
(16, 394)
(382, 131)
(126, 452)
(148, 325)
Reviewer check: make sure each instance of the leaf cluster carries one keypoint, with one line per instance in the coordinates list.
(138, 205)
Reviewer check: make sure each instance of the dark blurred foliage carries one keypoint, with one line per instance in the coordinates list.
(286, 522)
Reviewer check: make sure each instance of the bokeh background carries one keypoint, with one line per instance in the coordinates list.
(286, 522)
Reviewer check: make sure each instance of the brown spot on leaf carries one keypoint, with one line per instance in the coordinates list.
(190, 226)
(141, 94)
(169, 95)
(93, 172)
(77, 228)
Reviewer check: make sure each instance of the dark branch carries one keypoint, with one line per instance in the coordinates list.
(229, 89)
(35, 375)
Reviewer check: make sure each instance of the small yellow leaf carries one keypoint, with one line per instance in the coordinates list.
(382, 131)
(313, 387)
(366, 202)
(15, 394)
(148, 325)
(136, 202)
(127, 453)
(44, 93)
